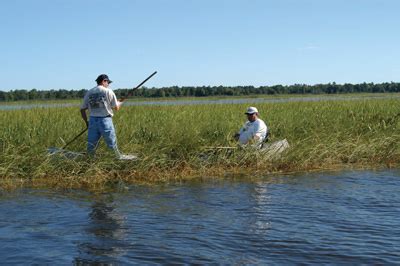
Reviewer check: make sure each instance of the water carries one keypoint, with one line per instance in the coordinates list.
(8, 107)
(324, 218)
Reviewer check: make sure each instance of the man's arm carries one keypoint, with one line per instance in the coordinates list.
(84, 117)
(115, 104)
(237, 134)
(118, 105)
(260, 130)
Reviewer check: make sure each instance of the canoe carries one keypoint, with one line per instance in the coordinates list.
(64, 153)
(269, 150)
(275, 149)
(76, 155)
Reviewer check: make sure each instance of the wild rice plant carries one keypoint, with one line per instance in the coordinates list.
(171, 139)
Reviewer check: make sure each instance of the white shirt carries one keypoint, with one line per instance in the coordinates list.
(253, 129)
(100, 101)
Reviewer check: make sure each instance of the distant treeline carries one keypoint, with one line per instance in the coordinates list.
(175, 91)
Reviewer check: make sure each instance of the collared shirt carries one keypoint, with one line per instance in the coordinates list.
(100, 101)
(253, 129)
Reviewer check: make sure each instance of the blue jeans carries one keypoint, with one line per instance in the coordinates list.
(101, 127)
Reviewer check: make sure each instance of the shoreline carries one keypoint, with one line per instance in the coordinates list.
(113, 181)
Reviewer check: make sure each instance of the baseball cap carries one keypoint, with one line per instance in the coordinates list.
(102, 77)
(251, 110)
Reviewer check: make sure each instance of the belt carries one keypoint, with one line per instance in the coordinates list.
(102, 116)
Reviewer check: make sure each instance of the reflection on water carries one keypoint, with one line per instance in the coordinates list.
(105, 233)
(327, 218)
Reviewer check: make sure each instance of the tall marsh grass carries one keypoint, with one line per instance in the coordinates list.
(169, 139)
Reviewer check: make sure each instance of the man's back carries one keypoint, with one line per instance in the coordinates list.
(100, 100)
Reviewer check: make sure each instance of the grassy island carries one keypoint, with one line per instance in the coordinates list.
(170, 140)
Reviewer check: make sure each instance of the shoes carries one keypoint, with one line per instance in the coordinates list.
(127, 157)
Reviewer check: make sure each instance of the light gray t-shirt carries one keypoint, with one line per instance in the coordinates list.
(100, 101)
(251, 129)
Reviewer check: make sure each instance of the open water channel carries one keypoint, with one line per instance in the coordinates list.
(350, 217)
(8, 107)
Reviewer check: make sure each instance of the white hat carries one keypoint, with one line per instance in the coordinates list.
(251, 110)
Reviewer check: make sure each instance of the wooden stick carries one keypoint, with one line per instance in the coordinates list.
(137, 87)
(83, 131)
(220, 148)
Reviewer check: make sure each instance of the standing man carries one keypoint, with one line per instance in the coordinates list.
(254, 131)
(101, 103)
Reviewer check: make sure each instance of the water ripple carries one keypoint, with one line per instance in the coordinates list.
(326, 218)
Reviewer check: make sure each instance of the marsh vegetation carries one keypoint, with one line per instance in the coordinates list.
(169, 139)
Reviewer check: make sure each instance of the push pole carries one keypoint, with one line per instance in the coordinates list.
(69, 142)
(137, 87)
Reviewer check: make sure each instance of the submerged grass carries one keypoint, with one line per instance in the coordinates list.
(170, 141)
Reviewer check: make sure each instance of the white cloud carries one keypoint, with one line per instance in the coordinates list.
(309, 47)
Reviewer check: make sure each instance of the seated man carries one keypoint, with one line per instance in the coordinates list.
(254, 131)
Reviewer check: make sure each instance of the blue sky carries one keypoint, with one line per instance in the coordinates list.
(65, 44)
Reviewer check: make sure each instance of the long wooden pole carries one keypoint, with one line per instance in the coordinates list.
(72, 140)
(137, 87)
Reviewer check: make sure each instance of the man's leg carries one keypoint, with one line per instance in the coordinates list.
(94, 135)
(108, 133)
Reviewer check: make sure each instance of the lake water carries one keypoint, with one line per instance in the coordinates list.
(4, 107)
(348, 217)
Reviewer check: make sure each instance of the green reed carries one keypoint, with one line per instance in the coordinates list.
(170, 140)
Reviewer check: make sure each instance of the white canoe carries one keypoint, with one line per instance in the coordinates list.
(275, 149)
(269, 150)
(75, 155)
(64, 153)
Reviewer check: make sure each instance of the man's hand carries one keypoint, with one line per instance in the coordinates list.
(118, 106)
(84, 117)
(236, 136)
